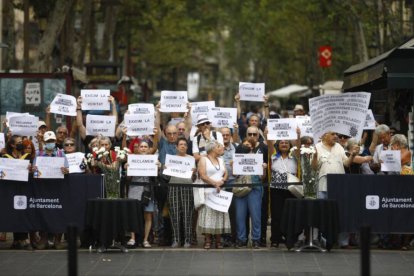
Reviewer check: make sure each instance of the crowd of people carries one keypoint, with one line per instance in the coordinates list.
(169, 215)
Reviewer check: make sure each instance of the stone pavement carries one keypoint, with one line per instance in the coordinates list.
(165, 261)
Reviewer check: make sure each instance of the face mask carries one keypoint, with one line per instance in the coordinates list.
(50, 146)
(19, 147)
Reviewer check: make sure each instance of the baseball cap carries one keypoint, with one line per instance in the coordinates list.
(49, 135)
(41, 124)
(298, 107)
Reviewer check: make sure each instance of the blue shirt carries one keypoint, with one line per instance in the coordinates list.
(164, 148)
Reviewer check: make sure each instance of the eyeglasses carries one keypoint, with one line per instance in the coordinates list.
(62, 132)
(181, 129)
(69, 145)
(251, 134)
(171, 133)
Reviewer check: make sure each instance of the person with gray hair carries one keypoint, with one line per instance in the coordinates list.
(212, 171)
(399, 142)
(381, 135)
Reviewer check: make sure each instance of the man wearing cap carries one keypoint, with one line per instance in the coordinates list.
(298, 110)
(50, 150)
(204, 135)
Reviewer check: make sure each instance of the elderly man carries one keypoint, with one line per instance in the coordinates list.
(204, 135)
(380, 142)
(61, 134)
(299, 110)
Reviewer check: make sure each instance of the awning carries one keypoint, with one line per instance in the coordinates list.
(331, 87)
(290, 90)
(393, 69)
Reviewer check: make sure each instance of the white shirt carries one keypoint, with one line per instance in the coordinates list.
(200, 147)
(330, 161)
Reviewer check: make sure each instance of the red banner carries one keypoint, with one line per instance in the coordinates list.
(325, 56)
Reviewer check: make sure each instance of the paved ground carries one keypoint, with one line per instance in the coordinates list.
(201, 262)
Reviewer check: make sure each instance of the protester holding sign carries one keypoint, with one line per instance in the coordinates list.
(212, 171)
(15, 150)
(181, 202)
(380, 142)
(284, 169)
(205, 134)
(399, 142)
(50, 150)
(142, 188)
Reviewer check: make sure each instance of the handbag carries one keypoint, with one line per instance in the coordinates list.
(242, 191)
(145, 198)
(290, 177)
(198, 193)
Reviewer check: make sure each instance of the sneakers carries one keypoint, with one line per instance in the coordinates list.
(256, 245)
(131, 242)
(187, 245)
(240, 244)
(175, 244)
(146, 244)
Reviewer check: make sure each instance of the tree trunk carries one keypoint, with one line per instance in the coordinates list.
(109, 32)
(80, 50)
(53, 29)
(10, 57)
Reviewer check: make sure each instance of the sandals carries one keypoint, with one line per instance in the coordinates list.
(131, 242)
(207, 242)
(146, 244)
(219, 245)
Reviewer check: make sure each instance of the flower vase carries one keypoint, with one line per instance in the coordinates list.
(112, 182)
(309, 176)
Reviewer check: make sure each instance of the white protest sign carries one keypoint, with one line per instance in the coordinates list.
(139, 125)
(305, 125)
(223, 116)
(282, 129)
(14, 114)
(193, 84)
(141, 108)
(248, 164)
(370, 120)
(142, 165)
(391, 160)
(251, 92)
(100, 124)
(14, 169)
(50, 167)
(344, 113)
(75, 160)
(24, 125)
(2, 141)
(198, 108)
(173, 101)
(32, 93)
(95, 99)
(179, 166)
(218, 201)
(63, 104)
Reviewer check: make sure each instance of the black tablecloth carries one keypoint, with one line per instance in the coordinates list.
(110, 219)
(298, 214)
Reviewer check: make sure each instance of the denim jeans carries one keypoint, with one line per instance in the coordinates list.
(253, 203)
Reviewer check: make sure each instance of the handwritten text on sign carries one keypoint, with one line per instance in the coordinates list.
(138, 125)
(75, 160)
(345, 114)
(179, 166)
(14, 169)
(251, 92)
(223, 116)
(174, 101)
(95, 99)
(142, 165)
(63, 104)
(282, 129)
(198, 108)
(248, 164)
(141, 108)
(391, 160)
(218, 201)
(50, 167)
(24, 125)
(99, 124)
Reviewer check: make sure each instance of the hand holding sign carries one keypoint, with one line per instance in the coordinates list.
(251, 91)
(64, 105)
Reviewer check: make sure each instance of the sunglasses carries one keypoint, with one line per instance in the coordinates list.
(69, 145)
(251, 134)
(343, 137)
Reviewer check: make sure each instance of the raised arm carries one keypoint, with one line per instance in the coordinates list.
(79, 120)
(236, 137)
(266, 107)
(158, 120)
(114, 111)
(188, 121)
(47, 118)
(237, 100)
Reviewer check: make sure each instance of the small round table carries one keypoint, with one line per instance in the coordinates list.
(300, 214)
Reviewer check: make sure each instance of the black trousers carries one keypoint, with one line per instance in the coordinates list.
(277, 201)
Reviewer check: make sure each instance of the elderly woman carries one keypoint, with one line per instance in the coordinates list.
(399, 142)
(212, 171)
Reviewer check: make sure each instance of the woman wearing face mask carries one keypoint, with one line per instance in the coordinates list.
(15, 150)
(136, 189)
(50, 150)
